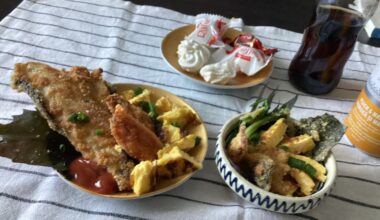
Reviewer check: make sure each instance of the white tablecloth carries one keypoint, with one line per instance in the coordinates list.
(124, 39)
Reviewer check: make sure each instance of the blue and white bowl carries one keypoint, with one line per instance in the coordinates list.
(264, 199)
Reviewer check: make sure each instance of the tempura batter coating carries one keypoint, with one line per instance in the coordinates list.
(134, 111)
(135, 138)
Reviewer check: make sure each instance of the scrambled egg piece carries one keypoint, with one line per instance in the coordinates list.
(163, 105)
(172, 133)
(175, 163)
(118, 148)
(180, 116)
(129, 94)
(184, 144)
(142, 177)
(172, 164)
(144, 96)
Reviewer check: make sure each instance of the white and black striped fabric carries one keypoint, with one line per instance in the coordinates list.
(124, 39)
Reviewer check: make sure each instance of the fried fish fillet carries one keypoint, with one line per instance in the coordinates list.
(58, 94)
(133, 129)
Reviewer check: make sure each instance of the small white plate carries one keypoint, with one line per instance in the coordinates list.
(169, 47)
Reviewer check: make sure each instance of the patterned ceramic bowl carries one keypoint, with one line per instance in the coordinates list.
(264, 199)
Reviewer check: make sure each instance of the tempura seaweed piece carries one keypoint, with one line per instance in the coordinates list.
(260, 169)
(262, 173)
(330, 131)
(28, 139)
(24, 139)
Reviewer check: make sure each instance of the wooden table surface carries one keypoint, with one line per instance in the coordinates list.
(292, 15)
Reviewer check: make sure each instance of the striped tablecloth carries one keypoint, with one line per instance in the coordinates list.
(124, 39)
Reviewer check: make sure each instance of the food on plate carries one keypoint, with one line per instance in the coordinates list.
(194, 51)
(238, 146)
(178, 116)
(128, 127)
(218, 73)
(192, 56)
(172, 126)
(124, 138)
(245, 55)
(326, 134)
(206, 52)
(280, 154)
(143, 177)
(93, 177)
(73, 104)
(176, 162)
(209, 29)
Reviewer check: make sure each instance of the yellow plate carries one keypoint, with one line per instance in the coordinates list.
(169, 47)
(162, 186)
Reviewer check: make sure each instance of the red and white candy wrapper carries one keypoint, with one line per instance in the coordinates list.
(247, 55)
(209, 29)
(250, 55)
(251, 41)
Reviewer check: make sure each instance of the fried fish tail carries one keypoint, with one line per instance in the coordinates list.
(58, 94)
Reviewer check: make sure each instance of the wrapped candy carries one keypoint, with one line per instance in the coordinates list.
(217, 62)
(247, 55)
(251, 41)
(209, 29)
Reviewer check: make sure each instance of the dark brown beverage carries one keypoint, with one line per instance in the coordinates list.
(327, 45)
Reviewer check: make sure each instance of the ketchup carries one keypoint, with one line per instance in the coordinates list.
(91, 176)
